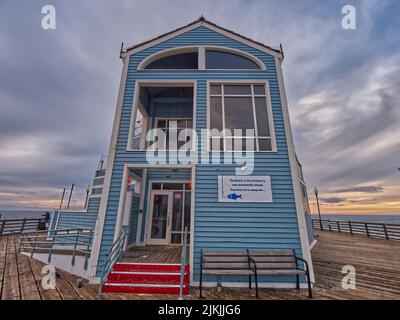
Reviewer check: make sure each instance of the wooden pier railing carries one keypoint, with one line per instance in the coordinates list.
(368, 229)
(13, 226)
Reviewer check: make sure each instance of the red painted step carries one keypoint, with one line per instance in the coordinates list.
(158, 278)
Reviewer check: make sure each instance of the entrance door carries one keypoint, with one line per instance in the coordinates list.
(160, 213)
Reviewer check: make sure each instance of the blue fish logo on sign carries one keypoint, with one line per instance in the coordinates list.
(234, 196)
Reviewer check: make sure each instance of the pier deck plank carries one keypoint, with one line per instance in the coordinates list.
(376, 262)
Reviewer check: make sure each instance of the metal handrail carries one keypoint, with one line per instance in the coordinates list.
(64, 237)
(369, 229)
(113, 255)
(183, 263)
(14, 226)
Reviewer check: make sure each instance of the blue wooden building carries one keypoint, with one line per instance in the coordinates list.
(199, 77)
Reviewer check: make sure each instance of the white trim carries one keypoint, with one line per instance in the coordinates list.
(98, 235)
(209, 26)
(167, 239)
(201, 55)
(277, 285)
(121, 203)
(141, 206)
(313, 244)
(192, 214)
(305, 245)
(157, 83)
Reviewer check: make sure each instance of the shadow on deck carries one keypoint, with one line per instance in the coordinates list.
(376, 262)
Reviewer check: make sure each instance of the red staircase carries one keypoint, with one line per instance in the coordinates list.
(162, 278)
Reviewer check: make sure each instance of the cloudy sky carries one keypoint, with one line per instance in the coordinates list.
(58, 91)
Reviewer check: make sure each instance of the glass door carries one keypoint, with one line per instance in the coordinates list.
(160, 212)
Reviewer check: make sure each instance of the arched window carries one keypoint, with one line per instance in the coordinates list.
(186, 60)
(216, 59)
(201, 58)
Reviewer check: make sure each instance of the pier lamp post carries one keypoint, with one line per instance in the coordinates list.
(319, 211)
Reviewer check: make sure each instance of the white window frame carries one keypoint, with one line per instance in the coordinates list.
(201, 52)
(269, 112)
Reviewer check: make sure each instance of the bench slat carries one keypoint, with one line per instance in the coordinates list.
(270, 253)
(225, 259)
(224, 253)
(224, 265)
(273, 259)
(228, 272)
(279, 272)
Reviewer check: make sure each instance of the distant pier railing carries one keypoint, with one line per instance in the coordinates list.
(368, 229)
(13, 226)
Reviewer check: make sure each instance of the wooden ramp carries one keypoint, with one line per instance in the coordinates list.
(377, 264)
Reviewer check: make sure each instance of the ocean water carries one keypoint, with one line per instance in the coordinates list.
(381, 218)
(11, 214)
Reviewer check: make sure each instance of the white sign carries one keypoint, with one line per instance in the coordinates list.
(244, 189)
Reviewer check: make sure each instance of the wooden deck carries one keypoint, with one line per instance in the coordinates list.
(158, 254)
(376, 261)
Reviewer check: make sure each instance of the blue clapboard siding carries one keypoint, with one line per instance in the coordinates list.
(133, 220)
(222, 226)
(84, 220)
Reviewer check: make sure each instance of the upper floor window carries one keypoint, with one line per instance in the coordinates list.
(242, 113)
(201, 58)
(227, 60)
(187, 60)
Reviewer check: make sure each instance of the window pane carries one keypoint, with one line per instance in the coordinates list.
(156, 186)
(161, 124)
(186, 220)
(216, 144)
(172, 186)
(240, 144)
(176, 238)
(177, 205)
(225, 60)
(265, 144)
(237, 89)
(239, 113)
(181, 124)
(259, 89)
(216, 113)
(215, 89)
(186, 60)
(262, 117)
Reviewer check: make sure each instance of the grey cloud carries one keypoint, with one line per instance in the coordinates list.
(366, 189)
(332, 200)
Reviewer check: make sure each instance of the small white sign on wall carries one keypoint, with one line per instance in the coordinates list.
(244, 189)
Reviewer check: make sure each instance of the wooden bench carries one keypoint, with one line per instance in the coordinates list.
(280, 263)
(253, 263)
(233, 263)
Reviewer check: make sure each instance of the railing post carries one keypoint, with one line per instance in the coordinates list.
(385, 230)
(3, 224)
(23, 225)
(183, 264)
(351, 230)
(366, 229)
(34, 245)
(338, 226)
(75, 245)
(329, 225)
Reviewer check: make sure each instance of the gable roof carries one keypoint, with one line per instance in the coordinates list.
(201, 22)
